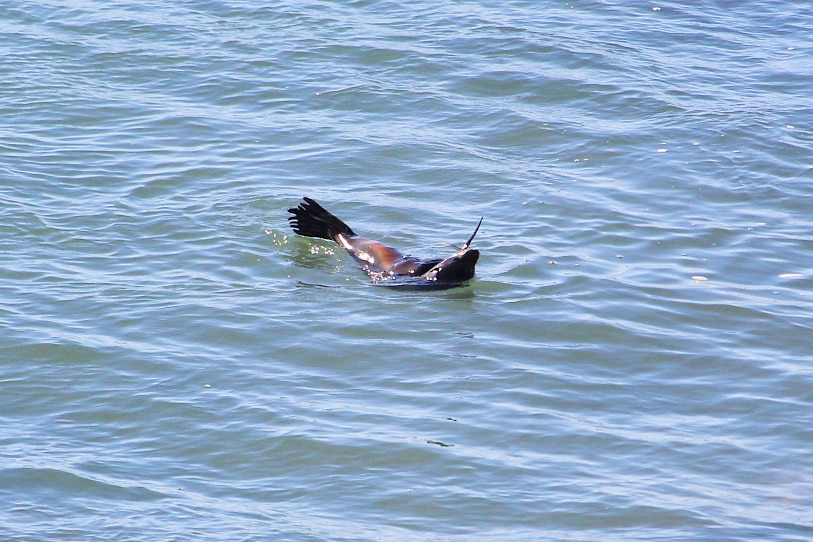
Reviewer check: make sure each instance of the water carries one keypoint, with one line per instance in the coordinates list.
(632, 362)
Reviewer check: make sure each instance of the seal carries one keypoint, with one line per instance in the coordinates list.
(385, 265)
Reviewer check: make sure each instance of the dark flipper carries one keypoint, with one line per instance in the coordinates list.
(467, 244)
(312, 220)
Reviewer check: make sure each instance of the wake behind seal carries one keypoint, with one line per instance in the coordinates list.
(384, 264)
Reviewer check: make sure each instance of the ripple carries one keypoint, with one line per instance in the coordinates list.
(36, 481)
(173, 360)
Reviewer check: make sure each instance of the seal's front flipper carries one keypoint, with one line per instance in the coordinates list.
(467, 244)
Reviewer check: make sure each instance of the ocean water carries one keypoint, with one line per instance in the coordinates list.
(634, 360)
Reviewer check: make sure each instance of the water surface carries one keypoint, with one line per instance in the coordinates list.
(632, 361)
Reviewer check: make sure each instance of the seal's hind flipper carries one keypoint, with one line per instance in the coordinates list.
(312, 220)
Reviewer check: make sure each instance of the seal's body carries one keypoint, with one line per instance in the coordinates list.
(384, 264)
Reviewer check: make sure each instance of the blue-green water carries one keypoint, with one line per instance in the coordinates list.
(634, 360)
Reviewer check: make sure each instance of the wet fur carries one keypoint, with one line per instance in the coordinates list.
(384, 264)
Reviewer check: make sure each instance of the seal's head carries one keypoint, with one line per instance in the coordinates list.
(457, 268)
